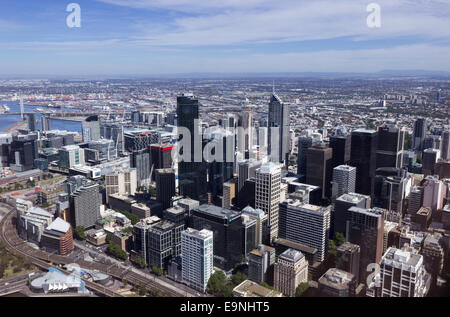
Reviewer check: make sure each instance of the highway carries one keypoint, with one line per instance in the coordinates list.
(43, 259)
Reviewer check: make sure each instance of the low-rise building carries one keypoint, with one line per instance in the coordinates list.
(337, 283)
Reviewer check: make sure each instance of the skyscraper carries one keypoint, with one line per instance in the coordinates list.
(419, 132)
(247, 170)
(390, 189)
(402, 274)
(197, 257)
(234, 236)
(429, 159)
(445, 146)
(319, 169)
(290, 271)
(141, 161)
(390, 146)
(341, 145)
(84, 205)
(278, 118)
(347, 258)
(344, 180)
(306, 224)
(122, 181)
(45, 123)
(303, 144)
(363, 157)
(192, 175)
(341, 214)
(267, 194)
(165, 186)
(433, 194)
(366, 229)
(91, 129)
(245, 134)
(415, 199)
(31, 122)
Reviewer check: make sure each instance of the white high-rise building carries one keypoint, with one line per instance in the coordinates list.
(267, 193)
(434, 193)
(71, 155)
(306, 224)
(121, 181)
(344, 180)
(402, 274)
(197, 257)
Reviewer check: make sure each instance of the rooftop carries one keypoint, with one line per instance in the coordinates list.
(251, 289)
(201, 234)
(217, 211)
(336, 278)
(352, 197)
(291, 255)
(59, 225)
(270, 167)
(396, 256)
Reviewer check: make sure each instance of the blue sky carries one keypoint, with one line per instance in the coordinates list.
(177, 36)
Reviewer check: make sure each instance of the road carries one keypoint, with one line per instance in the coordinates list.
(180, 288)
(12, 285)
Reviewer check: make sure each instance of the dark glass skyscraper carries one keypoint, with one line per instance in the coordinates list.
(165, 186)
(419, 132)
(341, 145)
(363, 157)
(390, 147)
(319, 170)
(303, 144)
(191, 174)
(279, 118)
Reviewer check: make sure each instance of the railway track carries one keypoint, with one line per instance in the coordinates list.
(43, 259)
(15, 245)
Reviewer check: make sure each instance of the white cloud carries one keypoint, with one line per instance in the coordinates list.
(216, 22)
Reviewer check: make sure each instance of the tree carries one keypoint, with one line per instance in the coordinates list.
(157, 270)
(115, 250)
(109, 238)
(238, 278)
(340, 239)
(79, 233)
(216, 283)
(140, 262)
(142, 290)
(264, 284)
(301, 289)
(332, 247)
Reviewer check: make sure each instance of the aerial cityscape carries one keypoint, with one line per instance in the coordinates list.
(212, 183)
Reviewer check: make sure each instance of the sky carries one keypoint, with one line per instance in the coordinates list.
(145, 37)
